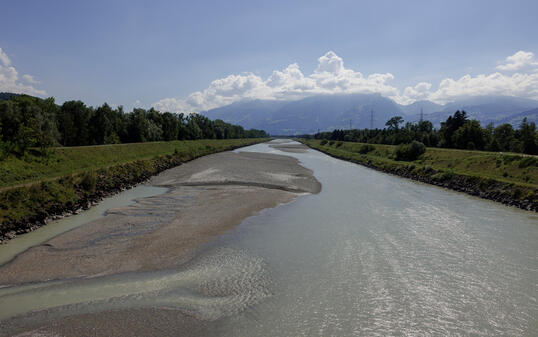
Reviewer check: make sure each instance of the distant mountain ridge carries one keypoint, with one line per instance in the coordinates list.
(4, 96)
(329, 112)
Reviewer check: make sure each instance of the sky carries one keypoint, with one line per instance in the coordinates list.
(190, 56)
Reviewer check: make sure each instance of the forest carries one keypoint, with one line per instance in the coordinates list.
(457, 132)
(30, 122)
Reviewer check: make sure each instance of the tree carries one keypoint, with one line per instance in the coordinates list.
(502, 137)
(425, 126)
(394, 123)
(450, 126)
(469, 136)
(170, 127)
(528, 136)
(73, 123)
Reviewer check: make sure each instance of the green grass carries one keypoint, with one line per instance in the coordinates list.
(36, 187)
(60, 162)
(507, 168)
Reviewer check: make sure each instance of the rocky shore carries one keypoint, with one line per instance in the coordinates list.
(508, 194)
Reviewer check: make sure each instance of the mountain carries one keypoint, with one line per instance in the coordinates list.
(307, 115)
(329, 112)
(426, 106)
(248, 114)
(4, 96)
(516, 119)
(486, 109)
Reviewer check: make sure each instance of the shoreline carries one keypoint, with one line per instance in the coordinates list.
(491, 189)
(109, 181)
(206, 197)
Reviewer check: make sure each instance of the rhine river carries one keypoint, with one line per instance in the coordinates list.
(370, 255)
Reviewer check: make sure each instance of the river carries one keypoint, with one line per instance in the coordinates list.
(370, 255)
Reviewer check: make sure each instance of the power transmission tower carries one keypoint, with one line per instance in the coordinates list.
(421, 115)
(371, 119)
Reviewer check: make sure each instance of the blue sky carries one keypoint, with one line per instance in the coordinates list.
(168, 53)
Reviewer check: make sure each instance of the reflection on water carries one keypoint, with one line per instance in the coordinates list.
(371, 255)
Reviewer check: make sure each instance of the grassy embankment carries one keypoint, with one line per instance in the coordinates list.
(509, 178)
(34, 187)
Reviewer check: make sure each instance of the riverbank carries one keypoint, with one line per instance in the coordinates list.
(38, 189)
(206, 197)
(508, 179)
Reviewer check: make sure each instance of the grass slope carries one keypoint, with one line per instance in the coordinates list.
(35, 187)
(64, 161)
(508, 178)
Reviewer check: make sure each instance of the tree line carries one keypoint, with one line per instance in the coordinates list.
(27, 121)
(458, 132)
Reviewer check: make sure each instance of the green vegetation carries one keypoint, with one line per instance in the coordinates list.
(457, 132)
(27, 122)
(62, 161)
(69, 178)
(503, 177)
(409, 151)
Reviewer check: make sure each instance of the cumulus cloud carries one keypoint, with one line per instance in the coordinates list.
(332, 77)
(29, 79)
(519, 60)
(10, 81)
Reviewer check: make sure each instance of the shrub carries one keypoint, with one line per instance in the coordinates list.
(339, 144)
(331, 142)
(409, 152)
(323, 142)
(528, 161)
(89, 181)
(364, 149)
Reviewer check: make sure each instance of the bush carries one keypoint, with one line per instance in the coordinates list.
(331, 142)
(364, 149)
(339, 144)
(409, 152)
(528, 161)
(89, 181)
(323, 142)
(447, 175)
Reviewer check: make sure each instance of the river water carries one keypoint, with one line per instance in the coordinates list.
(370, 255)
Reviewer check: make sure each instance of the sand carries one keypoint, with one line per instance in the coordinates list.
(206, 197)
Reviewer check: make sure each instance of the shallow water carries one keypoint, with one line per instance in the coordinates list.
(371, 255)
(22, 242)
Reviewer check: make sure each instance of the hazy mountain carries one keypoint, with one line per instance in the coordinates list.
(486, 109)
(248, 114)
(426, 106)
(4, 96)
(307, 115)
(516, 119)
(328, 112)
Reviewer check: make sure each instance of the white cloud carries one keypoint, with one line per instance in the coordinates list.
(4, 59)
(517, 61)
(29, 79)
(521, 85)
(331, 77)
(10, 82)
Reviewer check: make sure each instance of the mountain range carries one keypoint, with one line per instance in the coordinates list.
(329, 112)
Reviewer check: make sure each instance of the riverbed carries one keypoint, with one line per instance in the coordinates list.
(370, 255)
